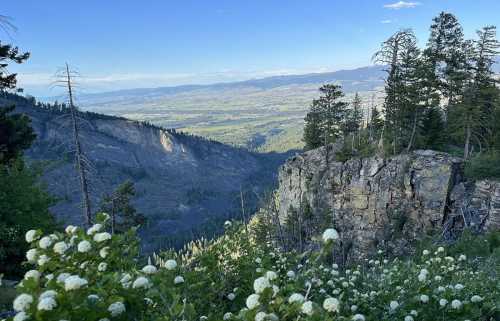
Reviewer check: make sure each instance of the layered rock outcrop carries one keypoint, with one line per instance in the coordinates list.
(386, 201)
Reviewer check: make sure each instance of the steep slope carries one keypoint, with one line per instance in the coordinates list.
(183, 182)
(386, 202)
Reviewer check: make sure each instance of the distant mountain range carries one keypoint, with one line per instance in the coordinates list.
(360, 79)
(263, 114)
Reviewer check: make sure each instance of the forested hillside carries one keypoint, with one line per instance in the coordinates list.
(184, 185)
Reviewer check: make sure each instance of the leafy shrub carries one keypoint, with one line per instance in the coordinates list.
(92, 275)
(483, 166)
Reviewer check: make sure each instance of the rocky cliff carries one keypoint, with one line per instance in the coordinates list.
(386, 201)
(186, 185)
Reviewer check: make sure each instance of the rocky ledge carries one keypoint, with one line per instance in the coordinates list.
(386, 202)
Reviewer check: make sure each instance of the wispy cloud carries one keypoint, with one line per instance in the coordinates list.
(401, 5)
(386, 21)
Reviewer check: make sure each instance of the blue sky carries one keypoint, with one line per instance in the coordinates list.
(124, 44)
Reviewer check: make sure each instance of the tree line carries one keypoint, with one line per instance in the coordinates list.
(444, 96)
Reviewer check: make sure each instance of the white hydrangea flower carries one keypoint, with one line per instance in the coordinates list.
(74, 282)
(330, 235)
(408, 318)
(61, 247)
(331, 305)
(47, 294)
(170, 264)
(62, 277)
(462, 257)
(178, 280)
(260, 316)
(231, 296)
(426, 252)
(94, 229)
(43, 259)
(101, 237)
(459, 287)
(260, 284)
(21, 316)
(424, 298)
(104, 252)
(476, 299)
(141, 282)
(45, 242)
(443, 302)
(290, 274)
(102, 267)
(307, 308)
(252, 301)
(227, 316)
(32, 274)
(47, 304)
(440, 249)
(258, 260)
(456, 304)
(296, 297)
(93, 297)
(84, 246)
(271, 275)
(70, 229)
(32, 255)
(393, 305)
(358, 317)
(354, 308)
(125, 280)
(31, 236)
(149, 269)
(22, 302)
(116, 308)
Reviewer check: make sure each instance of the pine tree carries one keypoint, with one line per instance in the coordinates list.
(401, 54)
(354, 118)
(123, 214)
(446, 53)
(312, 129)
(325, 122)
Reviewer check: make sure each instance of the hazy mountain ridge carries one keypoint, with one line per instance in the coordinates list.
(265, 114)
(182, 181)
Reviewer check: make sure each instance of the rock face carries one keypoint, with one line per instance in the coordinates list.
(375, 201)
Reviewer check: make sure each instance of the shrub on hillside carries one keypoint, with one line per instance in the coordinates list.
(92, 275)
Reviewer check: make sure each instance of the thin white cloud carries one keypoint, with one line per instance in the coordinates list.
(386, 21)
(401, 5)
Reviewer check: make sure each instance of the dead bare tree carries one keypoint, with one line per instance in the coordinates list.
(65, 78)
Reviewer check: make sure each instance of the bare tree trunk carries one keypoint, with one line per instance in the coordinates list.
(113, 216)
(79, 155)
(468, 135)
(243, 211)
(413, 132)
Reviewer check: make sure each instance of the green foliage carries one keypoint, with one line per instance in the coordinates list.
(483, 166)
(23, 205)
(327, 119)
(81, 275)
(9, 53)
(16, 134)
(123, 214)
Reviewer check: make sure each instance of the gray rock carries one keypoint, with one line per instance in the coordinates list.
(375, 201)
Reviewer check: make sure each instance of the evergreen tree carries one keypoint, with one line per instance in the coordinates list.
(326, 120)
(16, 134)
(432, 129)
(446, 51)
(401, 114)
(354, 119)
(123, 213)
(312, 129)
(8, 53)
